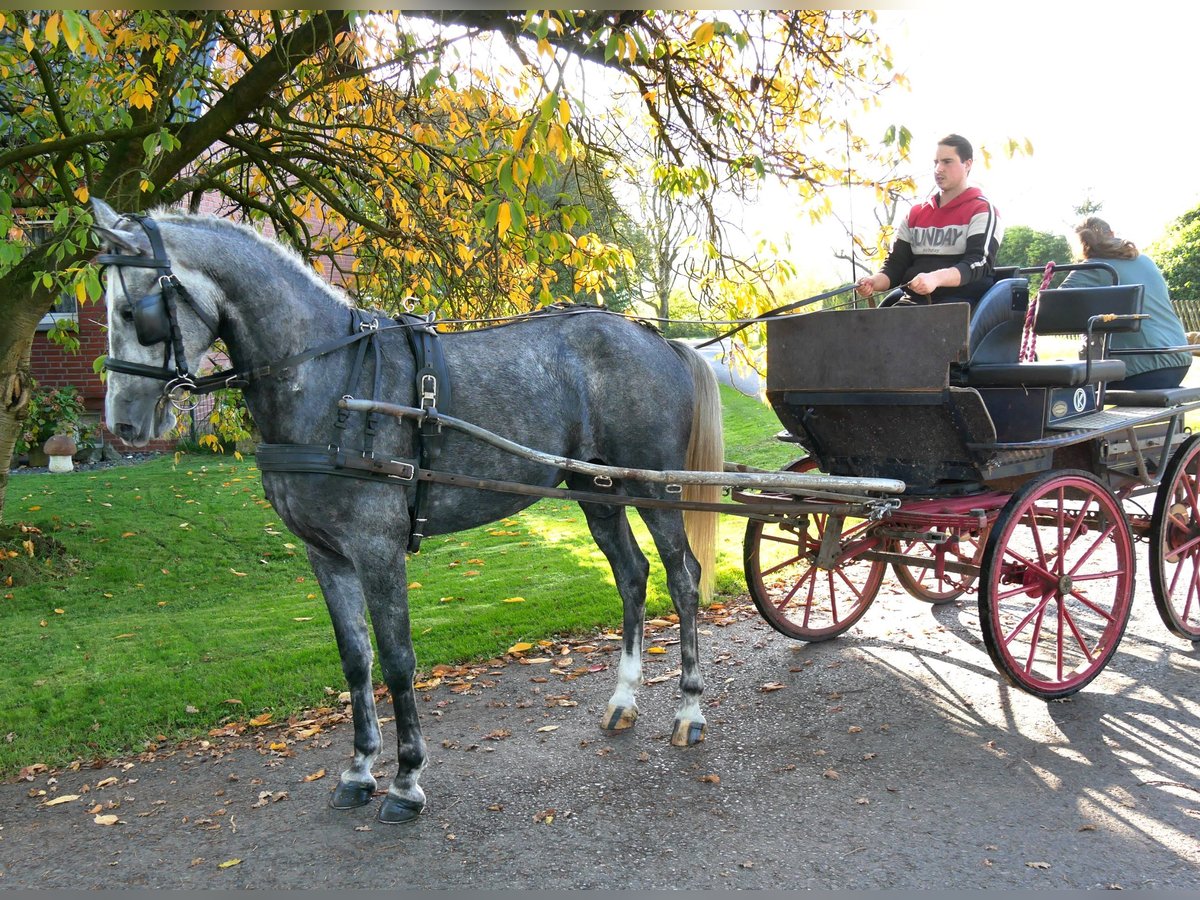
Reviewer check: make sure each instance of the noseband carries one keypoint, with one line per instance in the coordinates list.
(155, 320)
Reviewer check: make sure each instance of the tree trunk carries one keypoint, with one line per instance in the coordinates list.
(20, 310)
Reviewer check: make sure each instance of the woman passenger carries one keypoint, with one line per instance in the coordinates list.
(1143, 371)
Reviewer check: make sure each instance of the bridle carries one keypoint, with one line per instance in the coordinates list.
(155, 321)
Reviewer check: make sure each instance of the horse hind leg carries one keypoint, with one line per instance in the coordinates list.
(344, 598)
(683, 580)
(610, 529)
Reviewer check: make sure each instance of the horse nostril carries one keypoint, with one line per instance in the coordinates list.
(125, 431)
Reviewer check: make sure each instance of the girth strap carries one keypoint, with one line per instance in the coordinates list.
(433, 395)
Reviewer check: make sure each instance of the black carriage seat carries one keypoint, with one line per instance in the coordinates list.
(1061, 311)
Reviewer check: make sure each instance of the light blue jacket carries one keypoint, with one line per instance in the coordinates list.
(1162, 329)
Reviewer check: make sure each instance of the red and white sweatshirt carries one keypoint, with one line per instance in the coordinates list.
(965, 234)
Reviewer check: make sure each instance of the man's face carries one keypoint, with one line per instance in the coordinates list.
(949, 171)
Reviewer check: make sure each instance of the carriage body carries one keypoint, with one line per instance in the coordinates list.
(1025, 481)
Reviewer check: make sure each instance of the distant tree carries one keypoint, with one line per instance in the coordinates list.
(1024, 247)
(1088, 207)
(1178, 255)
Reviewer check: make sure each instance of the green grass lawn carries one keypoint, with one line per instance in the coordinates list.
(191, 605)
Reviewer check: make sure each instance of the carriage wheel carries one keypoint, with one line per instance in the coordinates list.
(1057, 583)
(936, 585)
(1175, 543)
(798, 598)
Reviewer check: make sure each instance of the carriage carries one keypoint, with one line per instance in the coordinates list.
(1027, 482)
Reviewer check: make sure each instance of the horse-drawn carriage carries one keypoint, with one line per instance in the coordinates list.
(1026, 480)
(931, 448)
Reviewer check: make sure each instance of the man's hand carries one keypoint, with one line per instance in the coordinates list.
(928, 282)
(865, 287)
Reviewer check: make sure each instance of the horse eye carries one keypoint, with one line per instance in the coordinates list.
(126, 314)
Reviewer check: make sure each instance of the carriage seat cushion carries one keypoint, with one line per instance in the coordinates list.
(1154, 397)
(1042, 374)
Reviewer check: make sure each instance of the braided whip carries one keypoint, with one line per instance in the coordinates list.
(1028, 336)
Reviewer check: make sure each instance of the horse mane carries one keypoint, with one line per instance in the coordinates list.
(283, 251)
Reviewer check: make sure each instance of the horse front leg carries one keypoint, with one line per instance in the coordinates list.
(683, 583)
(610, 529)
(386, 588)
(344, 598)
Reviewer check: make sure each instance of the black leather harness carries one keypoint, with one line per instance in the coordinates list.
(432, 385)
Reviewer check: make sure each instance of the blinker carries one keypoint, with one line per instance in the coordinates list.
(151, 321)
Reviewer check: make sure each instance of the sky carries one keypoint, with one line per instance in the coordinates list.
(1105, 94)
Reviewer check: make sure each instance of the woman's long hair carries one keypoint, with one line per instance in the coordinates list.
(1097, 241)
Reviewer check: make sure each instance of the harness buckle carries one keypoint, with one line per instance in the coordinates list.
(429, 391)
(369, 325)
(602, 481)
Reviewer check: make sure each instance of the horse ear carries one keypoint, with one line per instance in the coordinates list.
(106, 226)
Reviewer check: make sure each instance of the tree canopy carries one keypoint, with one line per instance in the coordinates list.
(1177, 253)
(1023, 246)
(446, 156)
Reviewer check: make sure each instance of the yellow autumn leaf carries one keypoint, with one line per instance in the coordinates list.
(263, 719)
(229, 864)
(703, 34)
(82, 194)
(320, 773)
(65, 798)
(656, 650)
(277, 745)
(414, 585)
(105, 820)
(503, 218)
(520, 647)
(549, 728)
(34, 508)
(514, 599)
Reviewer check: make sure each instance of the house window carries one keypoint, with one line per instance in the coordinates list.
(36, 232)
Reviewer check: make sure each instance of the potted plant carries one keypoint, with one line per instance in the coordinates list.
(57, 411)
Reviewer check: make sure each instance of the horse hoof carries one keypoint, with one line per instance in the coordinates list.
(687, 732)
(398, 811)
(618, 719)
(351, 796)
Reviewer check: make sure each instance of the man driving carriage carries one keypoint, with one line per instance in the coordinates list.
(945, 249)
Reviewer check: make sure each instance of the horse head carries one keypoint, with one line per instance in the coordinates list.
(163, 314)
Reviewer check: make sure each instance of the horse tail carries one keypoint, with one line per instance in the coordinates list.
(705, 453)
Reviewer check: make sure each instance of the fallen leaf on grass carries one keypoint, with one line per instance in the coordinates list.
(514, 599)
(237, 573)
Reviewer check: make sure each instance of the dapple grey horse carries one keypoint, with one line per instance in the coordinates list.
(593, 387)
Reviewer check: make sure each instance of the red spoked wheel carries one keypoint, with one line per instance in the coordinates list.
(937, 584)
(795, 595)
(1175, 543)
(1056, 584)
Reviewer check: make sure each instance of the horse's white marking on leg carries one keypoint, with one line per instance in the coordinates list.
(622, 709)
